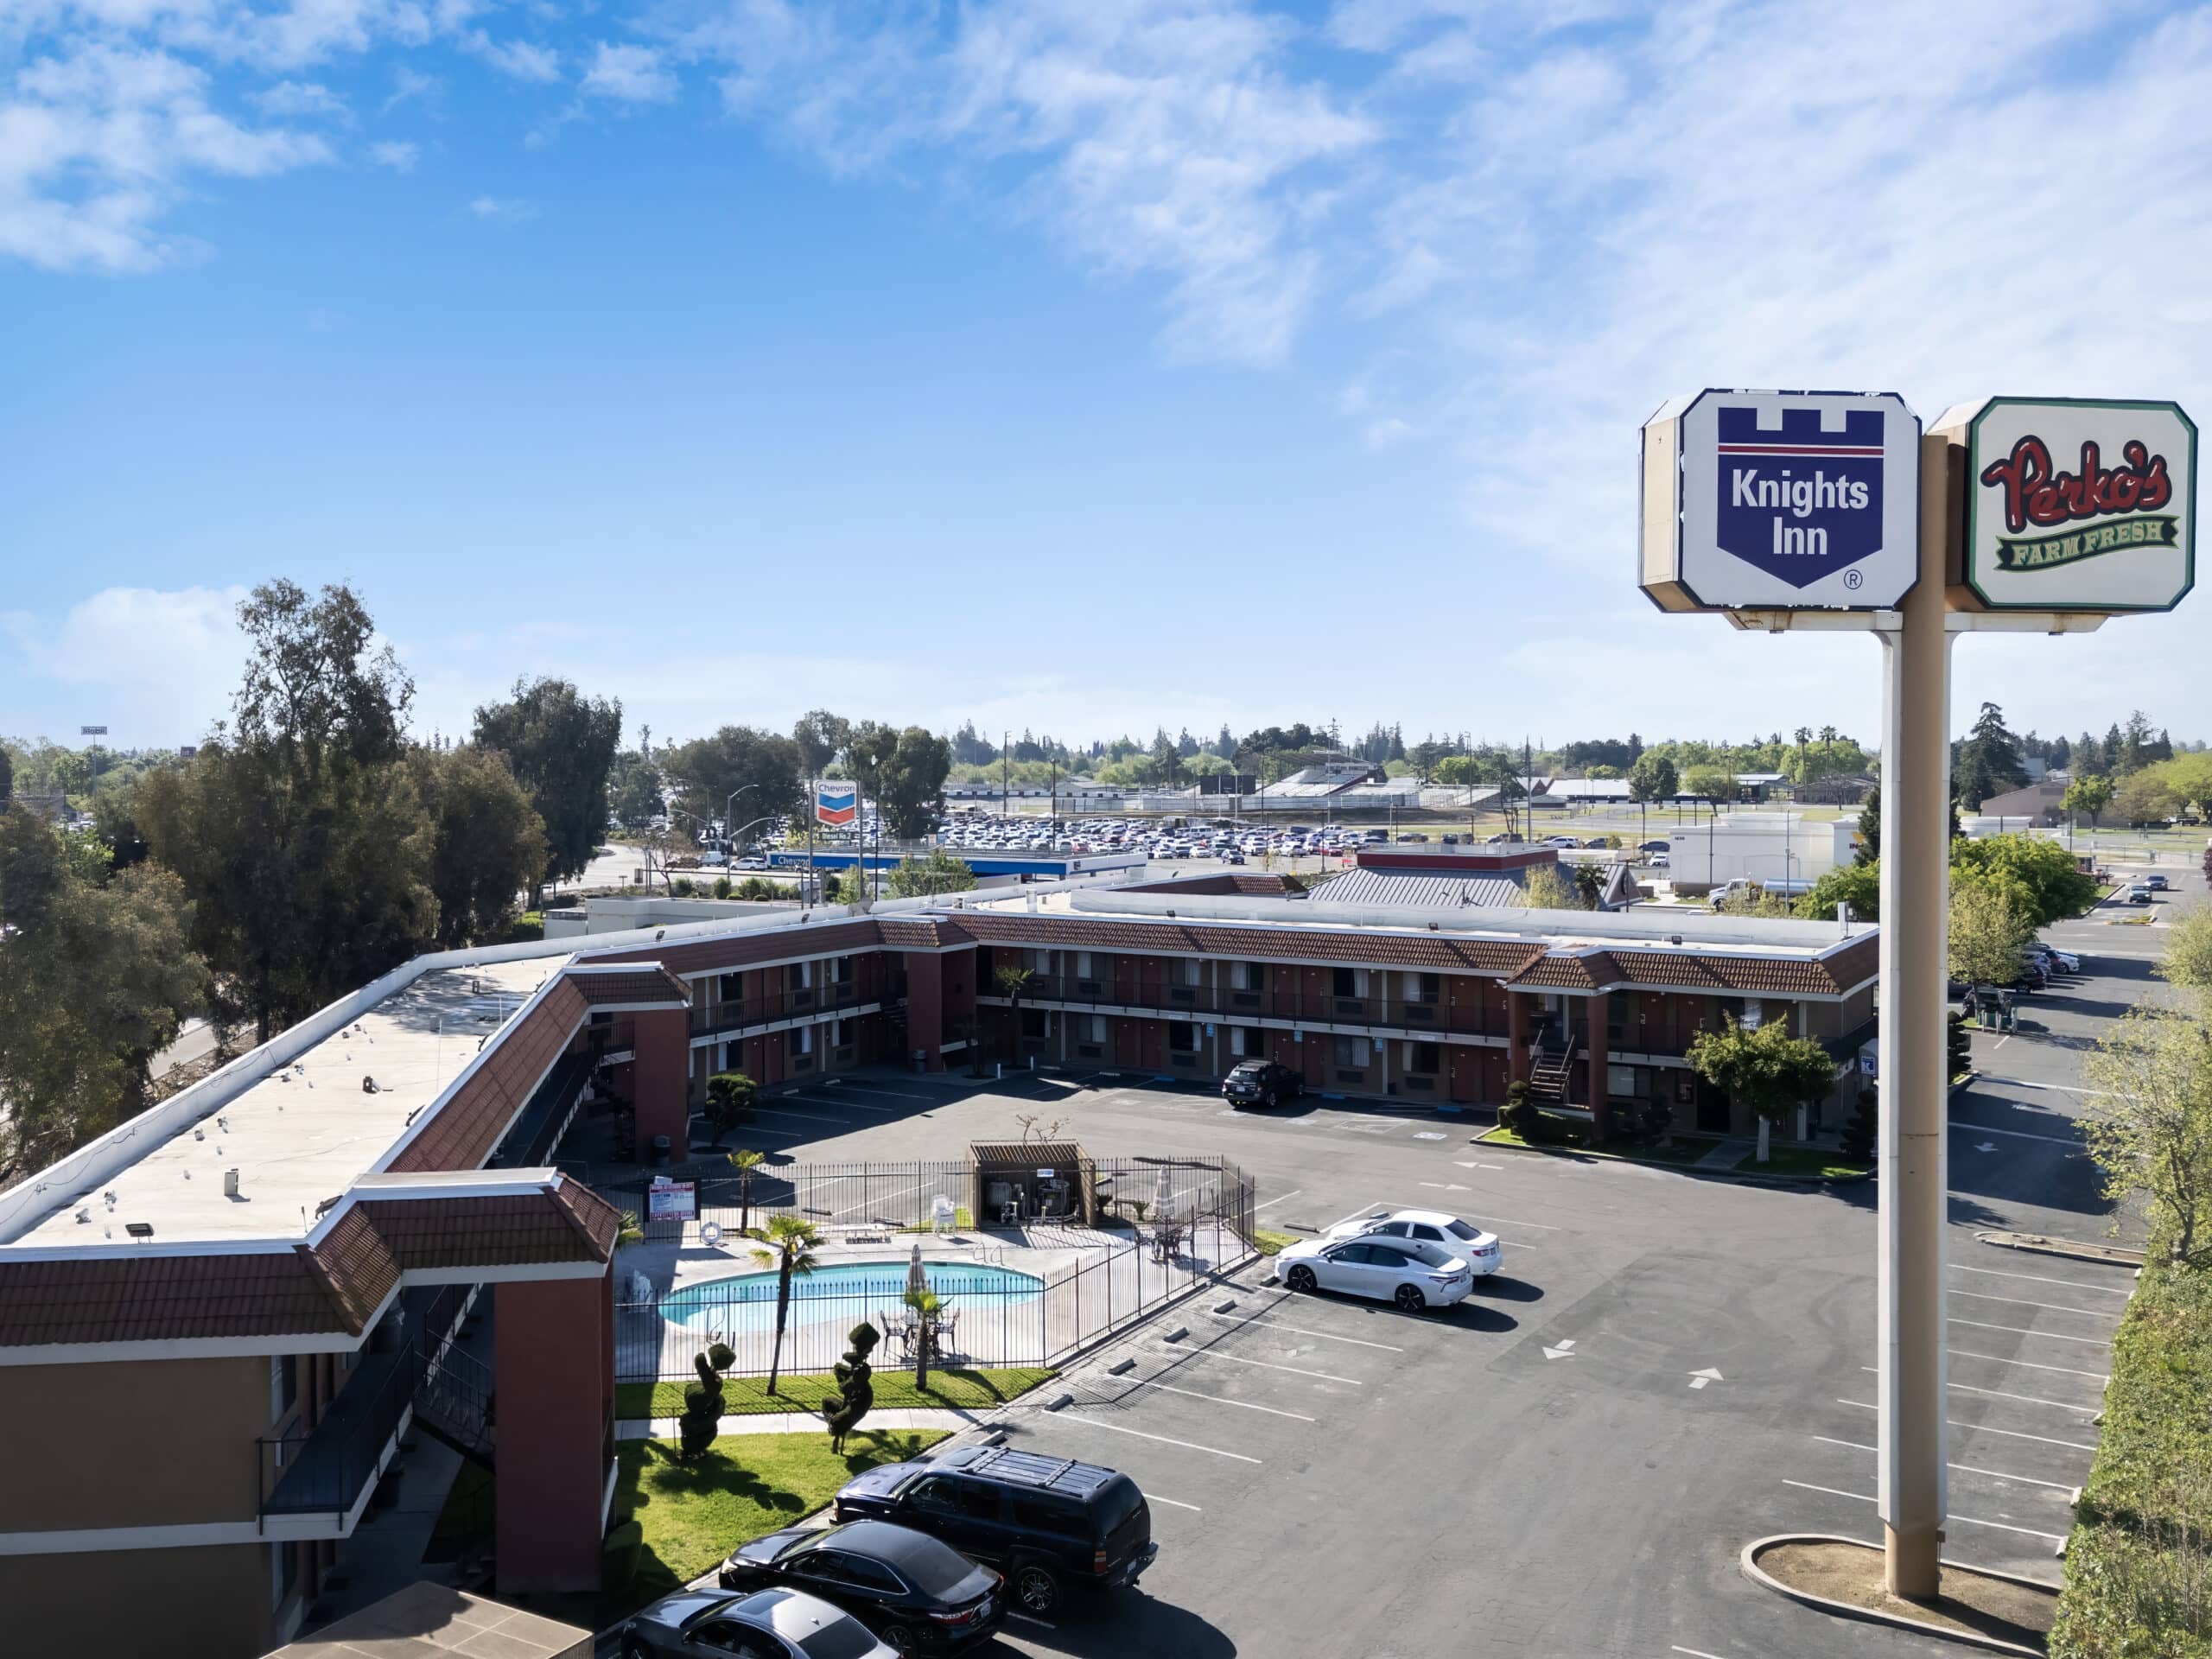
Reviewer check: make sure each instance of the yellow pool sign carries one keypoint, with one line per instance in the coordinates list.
(2076, 504)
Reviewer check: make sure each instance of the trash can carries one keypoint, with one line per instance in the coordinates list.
(921, 1059)
(660, 1150)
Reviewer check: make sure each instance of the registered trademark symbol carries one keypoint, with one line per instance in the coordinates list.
(1854, 578)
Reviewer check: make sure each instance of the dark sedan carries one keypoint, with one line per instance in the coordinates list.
(919, 1594)
(763, 1624)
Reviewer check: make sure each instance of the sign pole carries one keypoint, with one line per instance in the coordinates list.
(1912, 1053)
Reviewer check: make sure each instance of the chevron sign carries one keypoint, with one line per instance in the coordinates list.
(836, 803)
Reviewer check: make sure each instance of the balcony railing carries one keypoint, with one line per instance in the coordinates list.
(1320, 1008)
(717, 1019)
(324, 1470)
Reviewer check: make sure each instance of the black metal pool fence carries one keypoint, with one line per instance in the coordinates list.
(997, 1314)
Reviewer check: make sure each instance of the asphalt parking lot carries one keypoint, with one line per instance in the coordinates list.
(1666, 1367)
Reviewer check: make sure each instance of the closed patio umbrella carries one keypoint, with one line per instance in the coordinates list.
(916, 1279)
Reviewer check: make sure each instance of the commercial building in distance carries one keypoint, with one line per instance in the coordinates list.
(266, 1271)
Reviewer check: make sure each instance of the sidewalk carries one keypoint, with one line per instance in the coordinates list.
(949, 1419)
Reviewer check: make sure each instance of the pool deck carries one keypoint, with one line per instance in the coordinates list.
(1092, 1281)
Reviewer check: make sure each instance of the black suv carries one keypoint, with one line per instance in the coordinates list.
(1048, 1524)
(1260, 1083)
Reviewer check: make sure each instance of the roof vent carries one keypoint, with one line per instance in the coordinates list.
(230, 1183)
(139, 1229)
(1674, 938)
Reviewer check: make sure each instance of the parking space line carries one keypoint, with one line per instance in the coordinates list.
(2073, 1142)
(1299, 1330)
(1984, 1428)
(811, 1117)
(1269, 1365)
(832, 1100)
(1071, 1416)
(1694, 1653)
(1173, 1502)
(903, 1094)
(1286, 1198)
(2023, 1331)
(1246, 1405)
(1968, 1520)
(2049, 1307)
(878, 1199)
(1512, 1221)
(2038, 1278)
(1999, 1394)
(2025, 1365)
(1963, 1468)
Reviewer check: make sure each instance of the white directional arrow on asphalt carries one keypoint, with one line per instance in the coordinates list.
(1452, 1186)
(1987, 1146)
(1463, 1164)
(1699, 1379)
(1560, 1351)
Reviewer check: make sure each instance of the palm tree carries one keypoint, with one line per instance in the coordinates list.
(789, 1248)
(1012, 979)
(745, 1160)
(627, 1231)
(927, 1306)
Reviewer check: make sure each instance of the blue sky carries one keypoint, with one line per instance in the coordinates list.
(1077, 365)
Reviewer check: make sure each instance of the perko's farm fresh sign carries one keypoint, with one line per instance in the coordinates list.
(2078, 505)
(1781, 500)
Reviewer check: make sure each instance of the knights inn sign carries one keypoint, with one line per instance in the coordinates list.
(2077, 505)
(1781, 500)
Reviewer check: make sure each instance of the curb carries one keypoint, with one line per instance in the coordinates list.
(1742, 1178)
(1748, 1561)
(2108, 1255)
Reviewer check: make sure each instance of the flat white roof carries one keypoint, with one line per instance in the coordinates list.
(1558, 930)
(307, 1131)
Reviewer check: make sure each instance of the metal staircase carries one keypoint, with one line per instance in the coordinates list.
(453, 1404)
(1548, 1074)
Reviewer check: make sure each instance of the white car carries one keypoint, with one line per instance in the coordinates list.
(1414, 1276)
(2067, 961)
(1479, 1249)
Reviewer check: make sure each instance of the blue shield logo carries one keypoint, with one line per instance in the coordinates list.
(1799, 500)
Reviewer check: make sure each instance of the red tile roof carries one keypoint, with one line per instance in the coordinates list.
(332, 1288)
(630, 988)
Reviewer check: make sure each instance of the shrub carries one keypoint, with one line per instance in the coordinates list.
(1519, 1114)
(1860, 1133)
(722, 887)
(721, 1357)
(730, 1096)
(703, 1412)
(843, 1410)
(681, 887)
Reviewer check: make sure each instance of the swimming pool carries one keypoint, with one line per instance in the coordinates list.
(843, 1292)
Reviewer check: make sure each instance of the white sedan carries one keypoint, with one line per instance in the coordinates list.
(1414, 1276)
(1479, 1249)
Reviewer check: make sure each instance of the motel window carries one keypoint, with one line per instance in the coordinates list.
(1754, 1013)
(1251, 976)
(1621, 1083)
(1083, 966)
(1034, 1023)
(1424, 987)
(801, 975)
(1349, 981)
(1182, 970)
(1349, 1053)
(283, 1384)
(841, 969)
(800, 1040)
(1094, 1030)
(1424, 1059)
(848, 1032)
(1182, 1038)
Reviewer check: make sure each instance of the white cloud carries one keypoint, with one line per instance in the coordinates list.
(504, 210)
(398, 155)
(298, 99)
(96, 145)
(522, 59)
(1162, 140)
(631, 74)
(155, 666)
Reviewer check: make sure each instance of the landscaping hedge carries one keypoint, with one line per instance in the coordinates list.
(2138, 1566)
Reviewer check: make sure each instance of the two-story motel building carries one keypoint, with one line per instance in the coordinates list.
(217, 1321)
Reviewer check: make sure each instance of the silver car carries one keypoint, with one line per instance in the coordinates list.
(758, 1624)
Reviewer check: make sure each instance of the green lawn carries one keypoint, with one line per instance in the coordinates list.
(692, 1515)
(1687, 1148)
(1802, 1163)
(1269, 1242)
(894, 1390)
